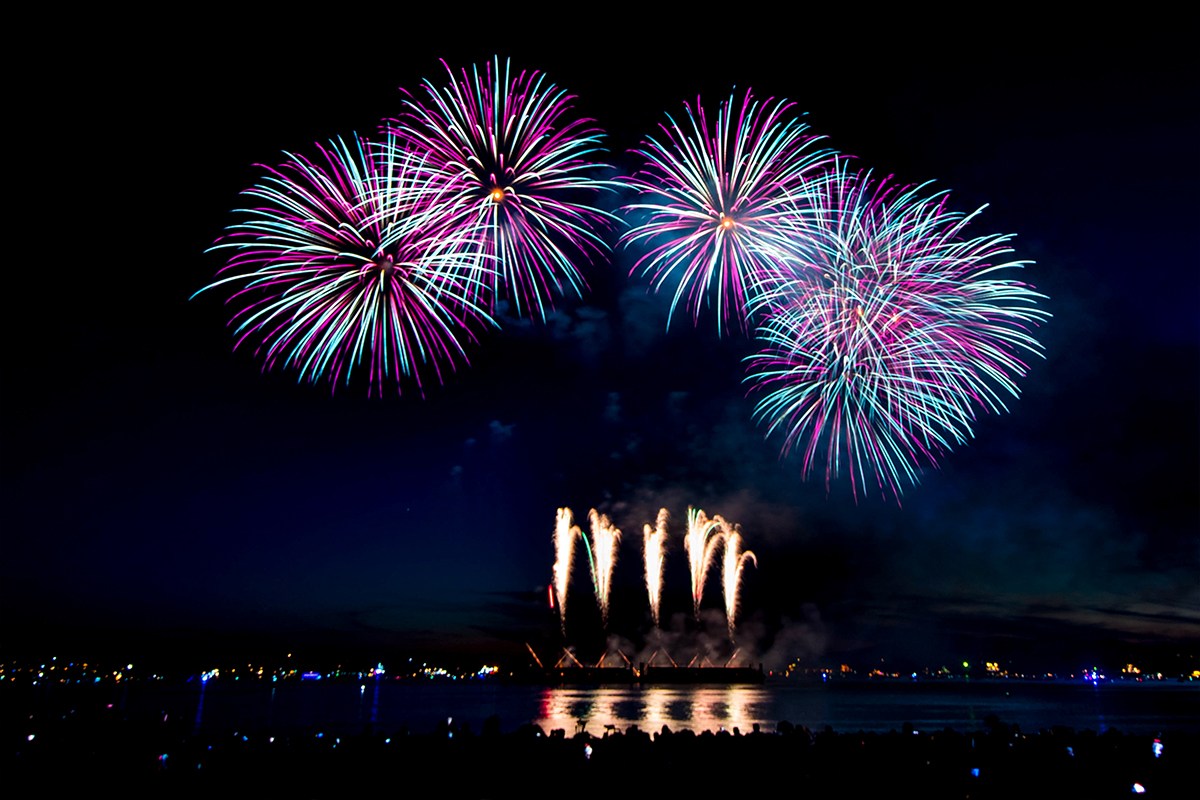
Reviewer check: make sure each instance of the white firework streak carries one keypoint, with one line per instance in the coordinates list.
(605, 538)
(700, 545)
(564, 552)
(654, 550)
(731, 569)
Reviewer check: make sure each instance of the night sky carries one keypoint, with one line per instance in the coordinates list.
(162, 494)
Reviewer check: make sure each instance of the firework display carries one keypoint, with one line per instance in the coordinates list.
(900, 329)
(565, 533)
(603, 552)
(704, 538)
(654, 548)
(700, 542)
(715, 202)
(387, 258)
(733, 561)
(518, 172)
(340, 268)
(884, 326)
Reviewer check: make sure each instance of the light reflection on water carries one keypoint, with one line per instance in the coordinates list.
(699, 708)
(422, 707)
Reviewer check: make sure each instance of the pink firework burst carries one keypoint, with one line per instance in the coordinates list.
(517, 171)
(899, 329)
(339, 268)
(715, 203)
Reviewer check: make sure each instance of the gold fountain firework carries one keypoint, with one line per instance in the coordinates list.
(605, 538)
(700, 545)
(565, 533)
(654, 546)
(703, 538)
(731, 569)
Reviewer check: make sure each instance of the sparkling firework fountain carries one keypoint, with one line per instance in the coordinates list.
(703, 538)
(565, 533)
(603, 553)
(700, 542)
(654, 545)
(731, 569)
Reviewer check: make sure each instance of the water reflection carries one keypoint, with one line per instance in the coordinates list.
(849, 706)
(628, 709)
(679, 708)
(698, 708)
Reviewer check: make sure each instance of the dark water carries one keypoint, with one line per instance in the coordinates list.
(343, 708)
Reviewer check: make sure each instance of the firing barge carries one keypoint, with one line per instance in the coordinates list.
(660, 670)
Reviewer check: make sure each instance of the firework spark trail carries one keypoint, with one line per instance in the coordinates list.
(700, 543)
(565, 533)
(717, 201)
(605, 538)
(654, 544)
(885, 359)
(514, 168)
(733, 563)
(341, 265)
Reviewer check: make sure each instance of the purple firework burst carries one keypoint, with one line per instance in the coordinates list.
(340, 268)
(515, 170)
(898, 331)
(716, 202)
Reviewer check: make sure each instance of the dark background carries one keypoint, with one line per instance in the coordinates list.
(163, 496)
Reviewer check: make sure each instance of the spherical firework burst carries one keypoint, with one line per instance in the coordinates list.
(715, 200)
(879, 365)
(341, 268)
(517, 171)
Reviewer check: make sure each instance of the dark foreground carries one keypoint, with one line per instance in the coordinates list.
(165, 760)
